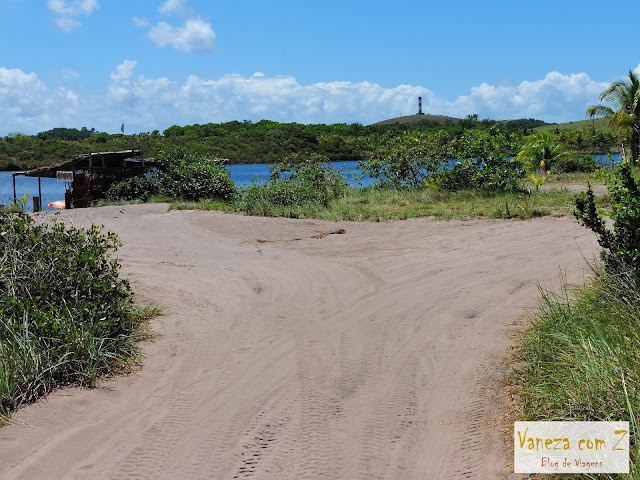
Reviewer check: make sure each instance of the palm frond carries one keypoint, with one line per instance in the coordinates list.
(621, 118)
(600, 111)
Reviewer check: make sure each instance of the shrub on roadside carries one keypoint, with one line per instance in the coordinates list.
(621, 244)
(580, 359)
(572, 163)
(294, 182)
(191, 177)
(412, 161)
(182, 177)
(134, 188)
(579, 362)
(484, 164)
(65, 314)
(406, 161)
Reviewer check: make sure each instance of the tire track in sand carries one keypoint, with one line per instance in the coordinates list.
(366, 355)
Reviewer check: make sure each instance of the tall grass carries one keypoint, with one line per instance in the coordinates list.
(579, 361)
(384, 204)
(66, 316)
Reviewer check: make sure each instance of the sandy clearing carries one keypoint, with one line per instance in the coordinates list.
(598, 188)
(368, 355)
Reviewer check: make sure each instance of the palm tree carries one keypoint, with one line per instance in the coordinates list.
(623, 96)
(541, 151)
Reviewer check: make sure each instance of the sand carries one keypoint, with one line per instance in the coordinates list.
(373, 354)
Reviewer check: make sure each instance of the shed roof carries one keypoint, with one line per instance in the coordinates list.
(96, 160)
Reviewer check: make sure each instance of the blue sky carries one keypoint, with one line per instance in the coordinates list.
(155, 63)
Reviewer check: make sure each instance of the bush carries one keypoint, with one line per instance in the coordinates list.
(579, 362)
(180, 176)
(458, 177)
(406, 161)
(542, 151)
(468, 174)
(570, 164)
(484, 164)
(65, 314)
(192, 177)
(134, 188)
(621, 245)
(296, 181)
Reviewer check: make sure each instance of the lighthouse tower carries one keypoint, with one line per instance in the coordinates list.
(420, 106)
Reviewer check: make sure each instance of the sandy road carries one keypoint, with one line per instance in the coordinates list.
(368, 355)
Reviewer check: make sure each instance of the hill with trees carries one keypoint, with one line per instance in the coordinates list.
(260, 142)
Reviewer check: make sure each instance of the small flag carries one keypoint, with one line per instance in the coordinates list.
(122, 128)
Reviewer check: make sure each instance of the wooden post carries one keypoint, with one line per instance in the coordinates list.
(36, 204)
(15, 197)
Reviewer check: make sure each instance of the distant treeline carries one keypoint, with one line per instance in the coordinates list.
(240, 142)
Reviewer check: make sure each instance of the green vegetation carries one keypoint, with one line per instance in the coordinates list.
(295, 183)
(542, 151)
(239, 142)
(66, 317)
(482, 164)
(385, 204)
(67, 133)
(588, 137)
(413, 161)
(574, 164)
(579, 361)
(179, 176)
(413, 178)
(623, 111)
(592, 124)
(621, 244)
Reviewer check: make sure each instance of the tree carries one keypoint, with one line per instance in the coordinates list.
(541, 151)
(623, 109)
(621, 244)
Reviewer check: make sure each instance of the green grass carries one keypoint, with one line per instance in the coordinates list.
(579, 361)
(10, 208)
(380, 204)
(373, 204)
(572, 178)
(600, 123)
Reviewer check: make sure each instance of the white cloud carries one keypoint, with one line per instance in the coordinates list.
(65, 75)
(66, 24)
(73, 7)
(556, 97)
(157, 103)
(195, 36)
(67, 10)
(141, 21)
(176, 7)
(28, 103)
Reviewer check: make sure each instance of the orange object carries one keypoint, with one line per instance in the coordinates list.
(57, 204)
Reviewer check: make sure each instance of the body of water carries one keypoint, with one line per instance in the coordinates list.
(242, 175)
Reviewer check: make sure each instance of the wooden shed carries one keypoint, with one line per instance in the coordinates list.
(94, 173)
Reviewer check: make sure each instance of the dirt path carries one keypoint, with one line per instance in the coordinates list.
(368, 355)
